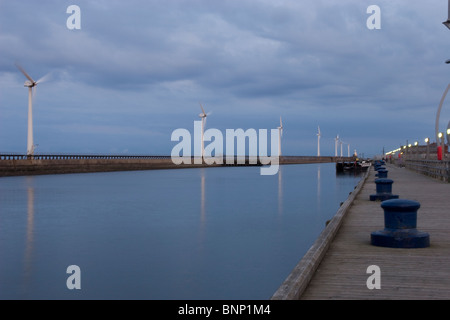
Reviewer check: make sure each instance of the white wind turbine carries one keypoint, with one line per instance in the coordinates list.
(336, 140)
(280, 134)
(30, 83)
(348, 148)
(318, 141)
(203, 116)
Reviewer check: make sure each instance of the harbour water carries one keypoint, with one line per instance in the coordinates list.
(208, 233)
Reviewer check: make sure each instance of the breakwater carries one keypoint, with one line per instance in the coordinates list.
(17, 165)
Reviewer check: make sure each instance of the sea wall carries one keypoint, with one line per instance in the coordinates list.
(39, 166)
(21, 165)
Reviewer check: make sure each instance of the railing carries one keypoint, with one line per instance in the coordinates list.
(11, 156)
(433, 168)
(16, 156)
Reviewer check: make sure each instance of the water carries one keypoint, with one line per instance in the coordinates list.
(211, 233)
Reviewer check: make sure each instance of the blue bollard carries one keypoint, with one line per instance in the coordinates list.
(384, 190)
(400, 222)
(382, 174)
(378, 168)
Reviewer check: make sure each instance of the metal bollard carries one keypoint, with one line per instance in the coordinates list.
(382, 173)
(400, 222)
(384, 190)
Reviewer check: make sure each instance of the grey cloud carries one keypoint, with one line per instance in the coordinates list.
(298, 57)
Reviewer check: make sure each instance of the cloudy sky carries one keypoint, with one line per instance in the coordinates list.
(137, 70)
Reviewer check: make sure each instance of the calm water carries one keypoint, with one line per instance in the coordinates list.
(212, 233)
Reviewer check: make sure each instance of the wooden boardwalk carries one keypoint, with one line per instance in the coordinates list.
(419, 274)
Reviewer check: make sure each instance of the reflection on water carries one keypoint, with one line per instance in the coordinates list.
(319, 180)
(30, 227)
(203, 199)
(280, 190)
(210, 233)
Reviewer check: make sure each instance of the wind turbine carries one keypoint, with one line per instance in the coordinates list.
(336, 145)
(318, 141)
(280, 134)
(348, 148)
(203, 116)
(30, 83)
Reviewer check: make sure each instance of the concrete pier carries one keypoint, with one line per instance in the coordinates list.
(19, 165)
(341, 272)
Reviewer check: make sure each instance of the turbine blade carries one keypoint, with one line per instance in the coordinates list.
(24, 72)
(44, 78)
(203, 110)
(281, 123)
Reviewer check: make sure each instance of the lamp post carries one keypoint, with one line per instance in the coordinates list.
(448, 134)
(448, 140)
(447, 23)
(416, 149)
(439, 111)
(440, 145)
(427, 140)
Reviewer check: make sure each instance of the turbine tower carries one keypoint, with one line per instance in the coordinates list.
(348, 147)
(203, 116)
(318, 141)
(336, 145)
(280, 134)
(30, 83)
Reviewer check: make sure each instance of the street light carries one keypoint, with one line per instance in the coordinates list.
(427, 140)
(448, 134)
(447, 23)
(440, 148)
(439, 111)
